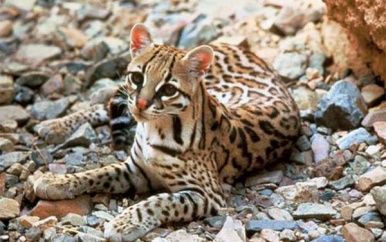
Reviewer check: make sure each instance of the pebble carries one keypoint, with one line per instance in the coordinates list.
(266, 177)
(290, 65)
(181, 236)
(254, 226)
(320, 147)
(33, 79)
(269, 235)
(9, 208)
(372, 178)
(45, 110)
(287, 235)
(81, 205)
(83, 136)
(215, 221)
(7, 89)
(342, 107)
(103, 215)
(24, 95)
(6, 145)
(5, 28)
(26, 5)
(7, 160)
(314, 210)
(344, 182)
(73, 37)
(36, 54)
(353, 233)
(232, 230)
(14, 112)
(8, 126)
(379, 196)
(329, 238)
(73, 219)
(63, 238)
(279, 214)
(374, 116)
(372, 93)
(300, 192)
(358, 212)
(54, 84)
(28, 221)
(358, 136)
(371, 220)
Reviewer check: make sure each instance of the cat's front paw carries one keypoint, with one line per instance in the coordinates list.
(53, 187)
(121, 230)
(52, 131)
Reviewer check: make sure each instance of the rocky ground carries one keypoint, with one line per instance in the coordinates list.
(58, 57)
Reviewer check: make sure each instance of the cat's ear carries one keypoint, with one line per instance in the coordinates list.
(199, 59)
(140, 39)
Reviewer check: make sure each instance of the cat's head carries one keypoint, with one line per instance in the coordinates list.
(162, 80)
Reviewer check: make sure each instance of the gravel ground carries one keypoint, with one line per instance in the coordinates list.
(58, 57)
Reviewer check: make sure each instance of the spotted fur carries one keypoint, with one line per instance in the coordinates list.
(205, 117)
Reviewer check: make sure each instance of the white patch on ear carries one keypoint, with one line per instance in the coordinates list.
(140, 39)
(199, 59)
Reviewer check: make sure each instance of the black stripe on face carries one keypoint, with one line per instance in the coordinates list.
(177, 130)
(169, 76)
(147, 62)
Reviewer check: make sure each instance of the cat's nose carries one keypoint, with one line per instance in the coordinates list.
(142, 104)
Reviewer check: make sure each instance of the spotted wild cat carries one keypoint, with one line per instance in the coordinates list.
(204, 118)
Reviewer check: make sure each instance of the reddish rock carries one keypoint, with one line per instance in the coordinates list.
(53, 85)
(73, 37)
(372, 94)
(372, 178)
(374, 116)
(380, 129)
(80, 205)
(353, 233)
(5, 28)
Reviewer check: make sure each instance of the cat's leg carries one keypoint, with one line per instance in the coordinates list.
(116, 178)
(194, 192)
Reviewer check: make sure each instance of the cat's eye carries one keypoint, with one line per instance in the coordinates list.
(169, 90)
(136, 78)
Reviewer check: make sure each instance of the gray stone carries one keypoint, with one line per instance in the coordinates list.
(71, 85)
(291, 65)
(6, 145)
(266, 177)
(216, 221)
(254, 226)
(343, 107)
(279, 214)
(359, 165)
(92, 220)
(26, 5)
(74, 159)
(9, 159)
(33, 234)
(375, 177)
(316, 61)
(371, 217)
(95, 51)
(14, 112)
(314, 210)
(7, 90)
(379, 196)
(73, 219)
(329, 238)
(346, 181)
(52, 109)
(35, 54)
(109, 68)
(356, 136)
(33, 79)
(303, 143)
(24, 95)
(83, 136)
(63, 238)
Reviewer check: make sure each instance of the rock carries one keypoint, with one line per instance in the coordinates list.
(379, 195)
(269, 235)
(90, 12)
(233, 230)
(303, 143)
(293, 17)
(290, 65)
(45, 110)
(83, 136)
(11, 158)
(24, 95)
(46, 223)
(329, 238)
(7, 90)
(62, 238)
(5, 28)
(73, 219)
(320, 148)
(371, 220)
(103, 215)
(33, 79)
(182, 236)
(372, 94)
(6, 145)
(71, 85)
(360, 165)
(36, 54)
(95, 51)
(342, 107)
(266, 177)
(287, 235)
(81, 205)
(24, 6)
(360, 211)
(74, 159)
(28, 221)
(346, 181)
(380, 129)
(374, 116)
(305, 98)
(109, 68)
(73, 37)
(254, 226)
(300, 192)
(372, 178)
(279, 214)
(314, 210)
(216, 221)
(353, 233)
(356, 136)
(33, 234)
(14, 112)
(9, 208)
(8, 126)
(53, 85)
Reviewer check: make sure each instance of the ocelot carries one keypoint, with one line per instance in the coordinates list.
(204, 117)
